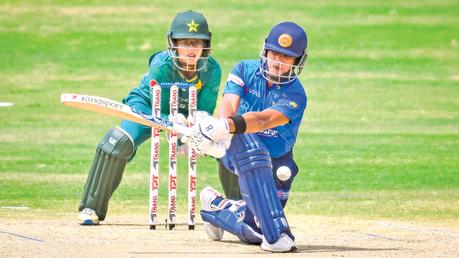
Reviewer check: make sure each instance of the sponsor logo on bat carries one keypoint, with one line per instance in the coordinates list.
(102, 102)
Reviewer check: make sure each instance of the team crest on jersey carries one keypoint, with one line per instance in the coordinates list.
(236, 79)
(285, 40)
(293, 104)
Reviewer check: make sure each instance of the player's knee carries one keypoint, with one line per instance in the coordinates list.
(232, 220)
(117, 143)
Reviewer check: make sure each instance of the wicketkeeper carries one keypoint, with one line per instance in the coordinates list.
(186, 61)
(261, 112)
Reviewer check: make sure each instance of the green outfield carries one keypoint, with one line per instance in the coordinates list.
(380, 137)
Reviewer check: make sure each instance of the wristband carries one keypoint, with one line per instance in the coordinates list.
(239, 124)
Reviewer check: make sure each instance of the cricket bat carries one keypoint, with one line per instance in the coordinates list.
(120, 110)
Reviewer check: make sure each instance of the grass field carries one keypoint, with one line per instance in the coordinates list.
(380, 137)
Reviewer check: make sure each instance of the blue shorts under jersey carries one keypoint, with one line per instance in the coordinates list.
(246, 81)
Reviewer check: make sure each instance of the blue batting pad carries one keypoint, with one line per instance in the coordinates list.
(252, 163)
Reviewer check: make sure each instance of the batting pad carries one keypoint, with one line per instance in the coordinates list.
(252, 162)
(112, 154)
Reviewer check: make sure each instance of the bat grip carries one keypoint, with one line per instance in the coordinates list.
(181, 129)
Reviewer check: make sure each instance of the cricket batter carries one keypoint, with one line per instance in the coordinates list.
(187, 60)
(260, 114)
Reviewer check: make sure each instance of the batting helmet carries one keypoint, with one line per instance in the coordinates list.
(290, 39)
(189, 25)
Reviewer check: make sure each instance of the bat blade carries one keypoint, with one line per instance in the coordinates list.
(120, 110)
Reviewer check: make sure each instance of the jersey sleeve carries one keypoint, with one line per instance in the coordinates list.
(155, 72)
(207, 99)
(142, 91)
(292, 104)
(235, 83)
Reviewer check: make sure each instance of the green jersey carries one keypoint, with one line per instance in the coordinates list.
(165, 73)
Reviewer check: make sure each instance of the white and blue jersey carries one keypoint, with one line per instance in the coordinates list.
(246, 81)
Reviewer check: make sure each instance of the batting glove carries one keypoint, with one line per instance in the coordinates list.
(178, 119)
(217, 149)
(200, 115)
(207, 132)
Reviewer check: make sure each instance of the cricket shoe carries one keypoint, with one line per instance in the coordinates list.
(88, 217)
(283, 245)
(212, 200)
(214, 232)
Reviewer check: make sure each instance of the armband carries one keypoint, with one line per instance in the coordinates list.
(239, 124)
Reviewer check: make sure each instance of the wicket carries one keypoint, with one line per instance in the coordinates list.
(154, 161)
(192, 157)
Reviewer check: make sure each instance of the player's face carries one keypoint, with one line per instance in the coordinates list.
(189, 51)
(279, 64)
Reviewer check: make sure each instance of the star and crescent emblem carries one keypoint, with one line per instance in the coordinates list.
(192, 26)
(198, 85)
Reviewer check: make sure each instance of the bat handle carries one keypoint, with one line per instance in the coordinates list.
(181, 129)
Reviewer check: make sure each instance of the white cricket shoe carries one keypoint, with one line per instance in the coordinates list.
(207, 196)
(88, 217)
(283, 245)
(215, 233)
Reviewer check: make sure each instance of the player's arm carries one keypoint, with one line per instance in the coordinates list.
(259, 121)
(212, 135)
(229, 105)
(255, 121)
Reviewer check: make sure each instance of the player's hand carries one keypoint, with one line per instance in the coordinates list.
(179, 119)
(183, 150)
(217, 149)
(210, 129)
(207, 132)
(214, 149)
(200, 115)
